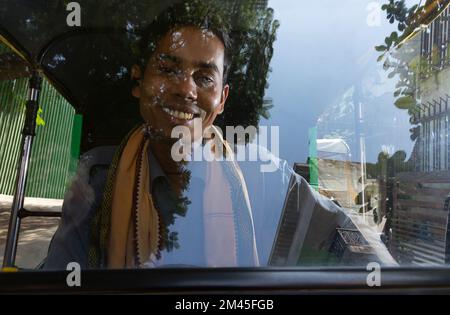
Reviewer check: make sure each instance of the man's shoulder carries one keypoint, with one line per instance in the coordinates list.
(82, 199)
(102, 155)
(88, 183)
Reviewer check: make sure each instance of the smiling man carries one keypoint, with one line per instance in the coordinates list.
(134, 205)
(183, 80)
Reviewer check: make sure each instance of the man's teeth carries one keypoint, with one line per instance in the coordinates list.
(177, 114)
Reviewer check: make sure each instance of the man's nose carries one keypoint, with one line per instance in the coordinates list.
(186, 87)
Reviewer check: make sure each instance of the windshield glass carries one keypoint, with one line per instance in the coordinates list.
(224, 133)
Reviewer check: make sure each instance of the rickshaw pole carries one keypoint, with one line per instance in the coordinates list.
(28, 133)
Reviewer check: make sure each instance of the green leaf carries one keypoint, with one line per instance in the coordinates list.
(388, 41)
(412, 9)
(39, 120)
(405, 102)
(381, 48)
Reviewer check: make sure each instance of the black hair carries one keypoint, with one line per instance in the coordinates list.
(197, 13)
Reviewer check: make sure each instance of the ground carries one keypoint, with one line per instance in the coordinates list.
(35, 233)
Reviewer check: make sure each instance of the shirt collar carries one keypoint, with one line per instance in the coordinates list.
(155, 168)
(197, 168)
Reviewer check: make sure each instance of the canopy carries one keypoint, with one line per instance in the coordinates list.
(89, 64)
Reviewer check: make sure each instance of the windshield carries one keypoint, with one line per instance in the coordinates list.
(224, 133)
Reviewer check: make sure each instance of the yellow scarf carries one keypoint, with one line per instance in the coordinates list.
(136, 227)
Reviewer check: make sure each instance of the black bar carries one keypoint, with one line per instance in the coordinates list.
(24, 213)
(231, 281)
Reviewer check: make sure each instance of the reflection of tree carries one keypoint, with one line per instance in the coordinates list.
(253, 37)
(177, 205)
(92, 68)
(415, 56)
(410, 62)
(377, 198)
(398, 12)
(389, 165)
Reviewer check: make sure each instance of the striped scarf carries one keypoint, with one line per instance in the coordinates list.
(126, 229)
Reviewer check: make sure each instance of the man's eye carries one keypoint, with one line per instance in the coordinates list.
(205, 81)
(167, 70)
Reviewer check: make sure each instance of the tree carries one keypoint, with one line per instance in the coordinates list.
(90, 64)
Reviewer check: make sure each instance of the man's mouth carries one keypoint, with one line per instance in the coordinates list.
(178, 114)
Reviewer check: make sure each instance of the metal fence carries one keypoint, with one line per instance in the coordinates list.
(56, 146)
(435, 40)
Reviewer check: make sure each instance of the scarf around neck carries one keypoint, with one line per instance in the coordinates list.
(127, 229)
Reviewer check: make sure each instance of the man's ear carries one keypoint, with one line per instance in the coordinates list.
(225, 91)
(136, 76)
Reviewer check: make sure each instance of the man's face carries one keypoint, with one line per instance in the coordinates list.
(183, 80)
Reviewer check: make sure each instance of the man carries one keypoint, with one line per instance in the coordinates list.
(135, 206)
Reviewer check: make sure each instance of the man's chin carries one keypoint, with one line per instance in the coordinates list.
(165, 137)
(170, 131)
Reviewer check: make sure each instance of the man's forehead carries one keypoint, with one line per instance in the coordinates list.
(202, 63)
(191, 44)
(192, 33)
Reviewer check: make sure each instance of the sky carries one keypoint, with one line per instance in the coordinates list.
(323, 48)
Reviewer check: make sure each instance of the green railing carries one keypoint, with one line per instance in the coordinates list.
(56, 145)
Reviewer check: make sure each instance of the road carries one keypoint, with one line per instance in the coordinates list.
(35, 233)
